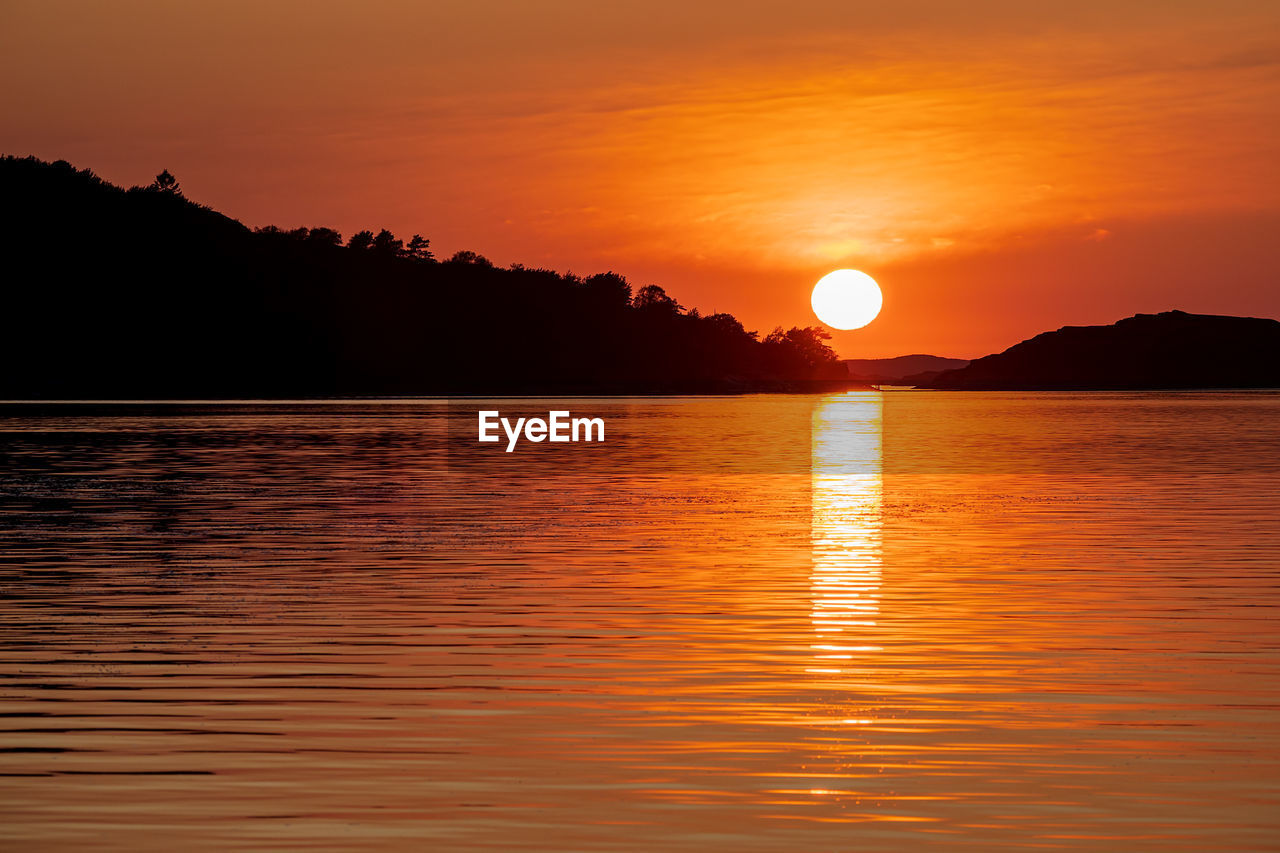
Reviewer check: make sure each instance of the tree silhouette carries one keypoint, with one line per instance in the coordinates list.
(466, 256)
(417, 249)
(609, 288)
(653, 298)
(804, 345)
(361, 240)
(387, 244)
(324, 237)
(726, 324)
(165, 182)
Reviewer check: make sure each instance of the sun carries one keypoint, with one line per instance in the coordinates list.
(846, 299)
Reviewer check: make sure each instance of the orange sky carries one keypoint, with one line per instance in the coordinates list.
(999, 168)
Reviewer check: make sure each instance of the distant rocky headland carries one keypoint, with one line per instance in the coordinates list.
(902, 370)
(1170, 350)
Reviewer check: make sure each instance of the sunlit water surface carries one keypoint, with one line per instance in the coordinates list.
(846, 622)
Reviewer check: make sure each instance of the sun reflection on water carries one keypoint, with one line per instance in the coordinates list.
(847, 538)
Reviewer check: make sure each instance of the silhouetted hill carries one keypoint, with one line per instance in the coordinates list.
(891, 371)
(1147, 351)
(117, 293)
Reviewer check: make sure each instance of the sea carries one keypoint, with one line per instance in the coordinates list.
(859, 621)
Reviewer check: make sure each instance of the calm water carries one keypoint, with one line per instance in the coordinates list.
(846, 622)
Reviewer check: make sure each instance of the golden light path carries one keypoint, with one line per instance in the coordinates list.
(846, 527)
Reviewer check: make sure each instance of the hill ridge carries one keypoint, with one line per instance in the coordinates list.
(1167, 350)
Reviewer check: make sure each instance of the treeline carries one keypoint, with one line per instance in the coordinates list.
(141, 292)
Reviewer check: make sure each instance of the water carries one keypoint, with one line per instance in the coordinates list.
(762, 623)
